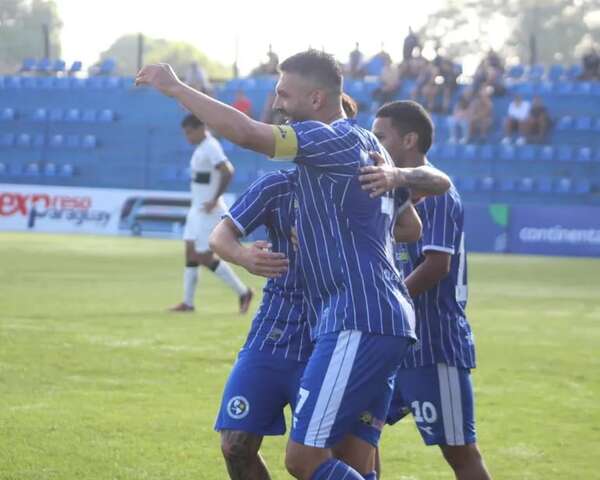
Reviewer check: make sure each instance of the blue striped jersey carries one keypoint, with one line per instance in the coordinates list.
(444, 333)
(345, 237)
(280, 326)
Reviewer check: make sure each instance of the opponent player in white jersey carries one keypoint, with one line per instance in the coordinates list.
(211, 173)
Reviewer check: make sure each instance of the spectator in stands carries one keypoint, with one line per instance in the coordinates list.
(242, 103)
(415, 64)
(538, 122)
(271, 67)
(481, 115)
(410, 43)
(355, 67)
(516, 120)
(446, 81)
(591, 66)
(458, 122)
(390, 82)
(197, 78)
(490, 73)
(426, 86)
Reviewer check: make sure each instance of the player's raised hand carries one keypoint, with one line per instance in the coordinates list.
(159, 76)
(259, 260)
(381, 177)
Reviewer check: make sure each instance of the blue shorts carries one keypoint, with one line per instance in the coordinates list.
(257, 391)
(347, 387)
(441, 400)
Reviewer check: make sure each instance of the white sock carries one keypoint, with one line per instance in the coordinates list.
(225, 273)
(190, 280)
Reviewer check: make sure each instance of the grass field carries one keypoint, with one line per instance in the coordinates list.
(97, 382)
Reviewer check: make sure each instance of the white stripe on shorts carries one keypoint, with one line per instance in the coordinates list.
(333, 388)
(451, 399)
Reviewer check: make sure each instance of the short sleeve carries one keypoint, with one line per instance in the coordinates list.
(439, 225)
(215, 153)
(252, 208)
(317, 144)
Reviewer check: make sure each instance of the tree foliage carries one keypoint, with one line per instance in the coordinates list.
(21, 30)
(562, 28)
(179, 54)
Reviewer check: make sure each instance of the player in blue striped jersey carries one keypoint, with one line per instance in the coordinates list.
(434, 379)
(363, 322)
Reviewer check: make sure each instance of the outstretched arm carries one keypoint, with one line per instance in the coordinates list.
(222, 119)
(256, 258)
(423, 181)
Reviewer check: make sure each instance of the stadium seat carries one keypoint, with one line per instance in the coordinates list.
(28, 65)
(56, 115)
(565, 153)
(468, 184)
(527, 153)
(88, 116)
(516, 72)
(564, 123)
(58, 66)
(582, 186)
(584, 154)
(487, 184)
(448, 152)
(57, 141)
(32, 170)
(7, 140)
(547, 153)
(12, 82)
(106, 116)
(583, 88)
(40, 115)
(23, 140)
(470, 152)
(565, 88)
(535, 72)
(555, 73)
(38, 140)
(73, 115)
(112, 82)
(525, 185)
(50, 170)
(30, 82)
(563, 186)
(79, 83)
(487, 152)
(574, 71)
(433, 153)
(89, 141)
(583, 123)
(7, 114)
(507, 152)
(3, 169)
(43, 65)
(544, 185)
(66, 170)
(107, 67)
(75, 67)
(73, 141)
(507, 185)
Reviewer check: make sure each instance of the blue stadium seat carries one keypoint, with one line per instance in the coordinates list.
(564, 123)
(544, 185)
(471, 152)
(75, 67)
(507, 185)
(30, 82)
(73, 115)
(58, 66)
(56, 115)
(565, 153)
(584, 154)
(547, 154)
(535, 72)
(12, 82)
(106, 116)
(40, 115)
(574, 71)
(61, 83)
(468, 184)
(7, 140)
(582, 186)
(525, 185)
(73, 141)
(487, 184)
(50, 170)
(88, 116)
(583, 88)
(57, 141)
(487, 152)
(107, 67)
(39, 140)
(28, 65)
(3, 169)
(78, 83)
(89, 141)
(112, 82)
(23, 140)
(448, 152)
(516, 72)
(583, 123)
(527, 152)
(555, 73)
(433, 153)
(7, 114)
(32, 170)
(563, 186)
(596, 125)
(565, 88)
(43, 65)
(507, 152)
(67, 170)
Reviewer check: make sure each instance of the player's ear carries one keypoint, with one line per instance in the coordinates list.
(317, 99)
(410, 141)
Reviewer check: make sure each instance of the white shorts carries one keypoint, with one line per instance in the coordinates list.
(199, 225)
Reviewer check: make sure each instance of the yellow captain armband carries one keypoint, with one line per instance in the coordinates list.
(286, 142)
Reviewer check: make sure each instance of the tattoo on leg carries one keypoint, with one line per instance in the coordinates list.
(243, 461)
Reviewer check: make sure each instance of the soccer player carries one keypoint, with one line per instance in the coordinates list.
(211, 173)
(363, 323)
(434, 381)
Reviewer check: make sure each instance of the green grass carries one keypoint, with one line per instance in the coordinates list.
(97, 382)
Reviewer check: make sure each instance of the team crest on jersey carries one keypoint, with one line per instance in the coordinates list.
(238, 407)
(275, 334)
(368, 419)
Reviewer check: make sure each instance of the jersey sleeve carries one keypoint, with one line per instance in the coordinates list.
(215, 153)
(440, 225)
(316, 144)
(253, 207)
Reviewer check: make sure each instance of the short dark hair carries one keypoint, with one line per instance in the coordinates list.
(319, 66)
(191, 121)
(408, 116)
